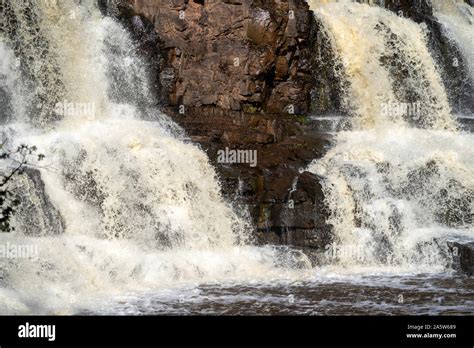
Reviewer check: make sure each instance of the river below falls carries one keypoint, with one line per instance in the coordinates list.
(439, 294)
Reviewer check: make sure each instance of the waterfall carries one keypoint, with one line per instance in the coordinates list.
(457, 19)
(399, 184)
(120, 203)
(386, 59)
(123, 204)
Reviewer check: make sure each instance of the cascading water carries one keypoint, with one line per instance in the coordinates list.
(399, 184)
(122, 216)
(387, 60)
(137, 208)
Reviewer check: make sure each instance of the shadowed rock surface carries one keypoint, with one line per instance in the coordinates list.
(39, 216)
(286, 204)
(463, 256)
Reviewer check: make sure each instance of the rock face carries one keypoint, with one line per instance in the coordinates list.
(246, 55)
(35, 215)
(463, 256)
(285, 203)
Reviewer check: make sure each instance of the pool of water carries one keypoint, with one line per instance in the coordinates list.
(439, 294)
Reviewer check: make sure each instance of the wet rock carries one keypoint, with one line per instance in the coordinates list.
(329, 76)
(463, 256)
(454, 70)
(416, 10)
(285, 204)
(36, 215)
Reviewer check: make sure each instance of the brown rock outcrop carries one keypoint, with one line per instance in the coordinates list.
(248, 55)
(286, 204)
